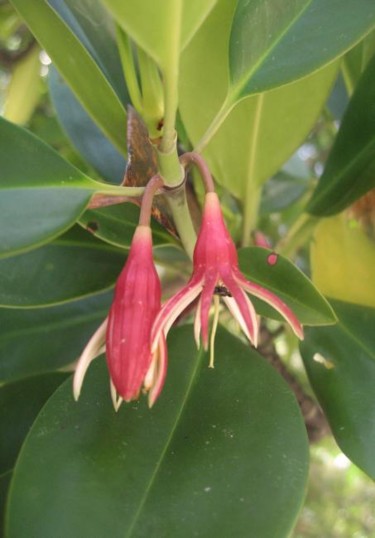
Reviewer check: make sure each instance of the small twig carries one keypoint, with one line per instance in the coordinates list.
(196, 159)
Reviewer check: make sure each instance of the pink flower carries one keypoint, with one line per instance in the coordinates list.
(216, 274)
(127, 330)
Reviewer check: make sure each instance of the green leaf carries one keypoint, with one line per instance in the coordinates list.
(84, 134)
(71, 267)
(94, 28)
(261, 131)
(38, 188)
(161, 27)
(116, 225)
(40, 340)
(289, 283)
(340, 362)
(274, 42)
(350, 169)
(205, 461)
(20, 403)
(342, 259)
(78, 68)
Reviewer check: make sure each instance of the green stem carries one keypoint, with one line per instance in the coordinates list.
(348, 79)
(297, 235)
(253, 190)
(182, 219)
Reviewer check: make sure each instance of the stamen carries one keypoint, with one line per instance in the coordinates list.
(213, 331)
(197, 324)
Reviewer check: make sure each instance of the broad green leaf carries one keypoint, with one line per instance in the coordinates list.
(350, 169)
(84, 134)
(340, 362)
(274, 42)
(116, 225)
(42, 195)
(161, 27)
(95, 29)
(20, 403)
(280, 276)
(73, 266)
(41, 340)
(343, 261)
(356, 60)
(77, 66)
(282, 191)
(261, 131)
(205, 461)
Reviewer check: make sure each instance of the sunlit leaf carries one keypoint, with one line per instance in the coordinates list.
(40, 340)
(340, 362)
(73, 266)
(350, 169)
(280, 276)
(343, 261)
(83, 74)
(160, 472)
(146, 21)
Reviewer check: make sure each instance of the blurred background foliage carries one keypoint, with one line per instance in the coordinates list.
(340, 499)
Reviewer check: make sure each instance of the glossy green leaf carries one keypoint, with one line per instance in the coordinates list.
(40, 340)
(340, 362)
(356, 60)
(274, 42)
(95, 29)
(286, 281)
(20, 403)
(116, 225)
(84, 134)
(42, 195)
(350, 169)
(161, 27)
(261, 131)
(161, 472)
(83, 74)
(73, 266)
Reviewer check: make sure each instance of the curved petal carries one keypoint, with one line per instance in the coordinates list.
(205, 303)
(160, 371)
(172, 309)
(274, 301)
(243, 306)
(91, 351)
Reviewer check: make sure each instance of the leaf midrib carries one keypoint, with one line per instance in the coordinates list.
(237, 89)
(167, 444)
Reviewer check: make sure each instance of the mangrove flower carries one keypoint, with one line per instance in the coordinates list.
(216, 274)
(127, 330)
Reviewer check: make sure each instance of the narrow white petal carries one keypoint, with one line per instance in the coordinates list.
(213, 330)
(197, 324)
(91, 351)
(116, 400)
(164, 322)
(236, 313)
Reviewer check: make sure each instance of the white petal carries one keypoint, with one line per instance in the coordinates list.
(91, 351)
